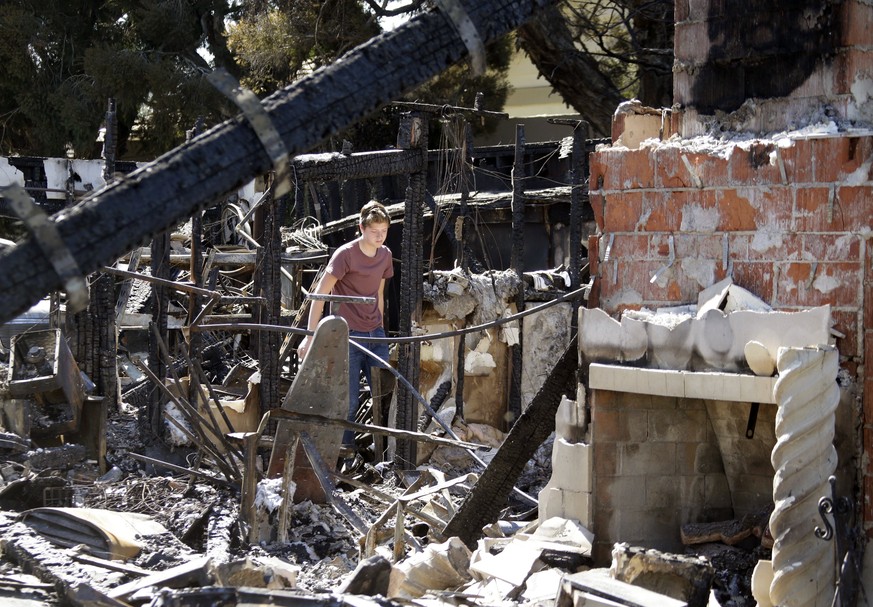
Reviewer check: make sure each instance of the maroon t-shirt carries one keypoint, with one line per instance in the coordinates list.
(359, 275)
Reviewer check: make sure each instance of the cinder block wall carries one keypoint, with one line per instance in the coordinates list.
(791, 224)
(657, 466)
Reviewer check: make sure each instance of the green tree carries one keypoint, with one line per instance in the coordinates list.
(276, 42)
(598, 53)
(60, 60)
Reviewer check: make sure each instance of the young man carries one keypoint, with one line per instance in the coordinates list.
(359, 268)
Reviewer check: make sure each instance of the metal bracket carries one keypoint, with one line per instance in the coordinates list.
(467, 31)
(259, 120)
(45, 232)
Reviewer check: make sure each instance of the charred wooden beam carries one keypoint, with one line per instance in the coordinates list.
(157, 196)
(483, 504)
(364, 165)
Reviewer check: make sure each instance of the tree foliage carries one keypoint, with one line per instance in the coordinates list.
(598, 53)
(60, 60)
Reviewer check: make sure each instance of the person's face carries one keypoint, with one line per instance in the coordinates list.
(375, 233)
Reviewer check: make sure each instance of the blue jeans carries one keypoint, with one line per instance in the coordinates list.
(361, 363)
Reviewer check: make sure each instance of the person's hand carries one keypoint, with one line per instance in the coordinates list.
(302, 348)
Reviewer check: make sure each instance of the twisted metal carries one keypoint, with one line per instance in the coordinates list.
(804, 458)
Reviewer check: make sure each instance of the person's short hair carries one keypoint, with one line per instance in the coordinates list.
(374, 212)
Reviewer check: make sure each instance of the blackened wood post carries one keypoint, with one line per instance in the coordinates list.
(160, 308)
(269, 287)
(159, 195)
(413, 135)
(110, 141)
(517, 264)
(94, 328)
(195, 339)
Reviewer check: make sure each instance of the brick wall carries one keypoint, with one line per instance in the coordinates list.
(789, 220)
(792, 59)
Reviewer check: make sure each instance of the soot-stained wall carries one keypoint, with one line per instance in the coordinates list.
(733, 50)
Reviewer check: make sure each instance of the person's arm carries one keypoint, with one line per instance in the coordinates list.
(316, 307)
(380, 301)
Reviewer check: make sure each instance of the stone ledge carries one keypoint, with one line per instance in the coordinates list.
(682, 384)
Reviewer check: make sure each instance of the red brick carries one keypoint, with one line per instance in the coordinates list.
(797, 159)
(605, 456)
(680, 10)
(637, 169)
(633, 246)
(757, 277)
(811, 209)
(705, 246)
(738, 213)
(712, 170)
(836, 284)
(832, 247)
(697, 209)
(764, 247)
(842, 77)
(856, 19)
(846, 322)
(660, 211)
(853, 207)
(604, 172)
(595, 199)
(837, 158)
(867, 438)
(852, 63)
(752, 166)
(868, 260)
(594, 254)
(622, 211)
(670, 172)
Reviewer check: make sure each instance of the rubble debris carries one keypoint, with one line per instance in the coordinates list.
(535, 424)
(107, 534)
(683, 577)
(598, 588)
(438, 567)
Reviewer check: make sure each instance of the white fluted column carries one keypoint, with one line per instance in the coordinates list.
(803, 458)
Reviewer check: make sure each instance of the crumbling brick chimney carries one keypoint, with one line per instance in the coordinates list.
(762, 171)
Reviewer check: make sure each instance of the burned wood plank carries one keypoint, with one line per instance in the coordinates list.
(323, 473)
(160, 194)
(328, 167)
(488, 497)
(193, 571)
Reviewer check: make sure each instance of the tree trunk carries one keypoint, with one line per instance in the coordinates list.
(574, 75)
(124, 214)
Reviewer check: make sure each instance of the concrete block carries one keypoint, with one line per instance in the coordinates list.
(513, 564)
(640, 459)
(571, 420)
(572, 466)
(565, 504)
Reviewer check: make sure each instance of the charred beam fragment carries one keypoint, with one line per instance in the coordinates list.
(484, 503)
(366, 165)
